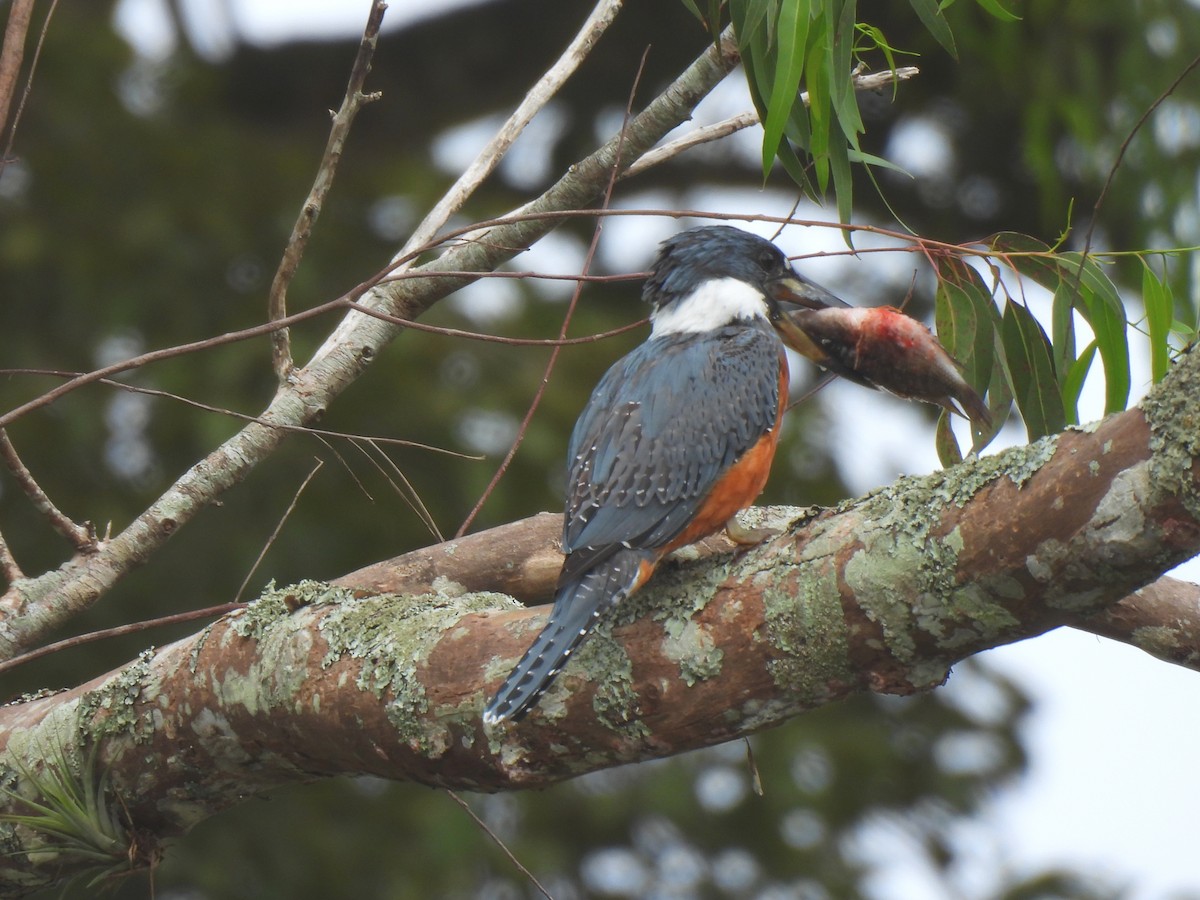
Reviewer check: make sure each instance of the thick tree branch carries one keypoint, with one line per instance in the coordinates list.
(1163, 618)
(884, 593)
(33, 606)
(522, 559)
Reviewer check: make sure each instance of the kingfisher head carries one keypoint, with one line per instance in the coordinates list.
(706, 278)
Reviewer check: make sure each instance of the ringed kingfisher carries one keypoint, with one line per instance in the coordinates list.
(677, 437)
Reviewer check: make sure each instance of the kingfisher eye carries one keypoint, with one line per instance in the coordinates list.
(768, 259)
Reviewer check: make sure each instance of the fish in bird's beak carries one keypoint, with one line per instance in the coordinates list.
(877, 347)
(791, 295)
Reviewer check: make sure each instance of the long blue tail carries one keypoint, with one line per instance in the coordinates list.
(578, 605)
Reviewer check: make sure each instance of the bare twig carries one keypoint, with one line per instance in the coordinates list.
(81, 538)
(1077, 287)
(354, 100)
(278, 528)
(136, 362)
(8, 564)
(1112, 172)
(539, 95)
(118, 631)
(346, 301)
(407, 493)
(245, 417)
(870, 82)
(560, 341)
(12, 53)
(499, 843)
(37, 53)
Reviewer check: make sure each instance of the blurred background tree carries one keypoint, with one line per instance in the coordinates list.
(152, 192)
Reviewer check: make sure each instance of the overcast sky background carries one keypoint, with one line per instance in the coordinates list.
(1113, 786)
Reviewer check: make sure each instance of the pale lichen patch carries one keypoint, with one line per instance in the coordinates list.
(1164, 642)
(808, 628)
(390, 637)
(112, 707)
(1174, 420)
(690, 646)
(610, 669)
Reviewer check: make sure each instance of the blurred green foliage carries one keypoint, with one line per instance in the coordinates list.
(148, 207)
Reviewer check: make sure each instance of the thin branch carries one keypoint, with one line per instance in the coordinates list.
(82, 538)
(8, 564)
(79, 640)
(355, 99)
(12, 53)
(444, 331)
(407, 493)
(346, 301)
(1162, 619)
(869, 82)
(278, 528)
(246, 417)
(37, 54)
(539, 95)
(1112, 172)
(136, 362)
(499, 843)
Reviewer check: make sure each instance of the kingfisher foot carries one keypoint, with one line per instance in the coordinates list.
(748, 537)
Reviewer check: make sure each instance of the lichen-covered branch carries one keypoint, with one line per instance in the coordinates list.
(1163, 619)
(884, 593)
(33, 606)
(522, 559)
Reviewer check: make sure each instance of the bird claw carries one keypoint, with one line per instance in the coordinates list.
(745, 536)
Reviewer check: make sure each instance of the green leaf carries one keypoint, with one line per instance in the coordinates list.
(842, 93)
(967, 321)
(999, 392)
(1062, 328)
(1072, 385)
(878, 41)
(1105, 313)
(792, 36)
(931, 17)
(946, 443)
(691, 7)
(820, 122)
(748, 16)
(1092, 294)
(1031, 371)
(843, 186)
(995, 9)
(1160, 306)
(714, 19)
(869, 159)
(794, 166)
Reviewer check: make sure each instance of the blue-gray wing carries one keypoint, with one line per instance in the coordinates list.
(662, 425)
